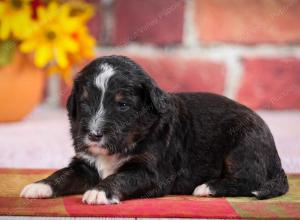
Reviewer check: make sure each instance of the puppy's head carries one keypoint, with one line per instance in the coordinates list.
(113, 105)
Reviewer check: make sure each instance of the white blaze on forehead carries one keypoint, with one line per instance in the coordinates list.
(101, 81)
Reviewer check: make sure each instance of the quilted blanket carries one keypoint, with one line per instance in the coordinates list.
(13, 180)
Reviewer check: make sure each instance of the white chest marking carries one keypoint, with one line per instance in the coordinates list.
(105, 165)
(101, 81)
(108, 165)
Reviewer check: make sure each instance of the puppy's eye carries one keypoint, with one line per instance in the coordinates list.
(122, 106)
(85, 107)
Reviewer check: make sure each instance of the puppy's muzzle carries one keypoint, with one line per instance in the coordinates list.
(95, 136)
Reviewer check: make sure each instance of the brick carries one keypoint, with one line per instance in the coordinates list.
(175, 74)
(249, 22)
(94, 23)
(271, 83)
(149, 21)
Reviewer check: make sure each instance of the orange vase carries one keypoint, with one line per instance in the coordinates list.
(21, 88)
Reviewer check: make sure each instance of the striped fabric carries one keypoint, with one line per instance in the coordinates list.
(13, 180)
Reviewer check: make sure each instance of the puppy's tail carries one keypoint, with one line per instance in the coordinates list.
(276, 186)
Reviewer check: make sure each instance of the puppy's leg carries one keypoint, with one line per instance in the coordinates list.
(74, 179)
(225, 187)
(241, 177)
(126, 184)
(245, 170)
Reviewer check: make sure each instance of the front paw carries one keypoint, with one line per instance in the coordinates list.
(95, 196)
(37, 190)
(202, 190)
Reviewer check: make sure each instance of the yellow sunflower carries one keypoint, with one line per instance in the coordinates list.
(15, 18)
(85, 52)
(51, 38)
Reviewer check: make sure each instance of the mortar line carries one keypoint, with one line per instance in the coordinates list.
(189, 36)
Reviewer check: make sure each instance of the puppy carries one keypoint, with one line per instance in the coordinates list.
(133, 140)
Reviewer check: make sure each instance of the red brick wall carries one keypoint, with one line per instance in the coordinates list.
(248, 50)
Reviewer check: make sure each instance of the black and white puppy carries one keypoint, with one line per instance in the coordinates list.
(133, 140)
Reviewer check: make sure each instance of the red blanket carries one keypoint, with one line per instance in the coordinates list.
(13, 180)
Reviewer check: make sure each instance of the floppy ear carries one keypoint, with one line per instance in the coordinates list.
(159, 98)
(71, 104)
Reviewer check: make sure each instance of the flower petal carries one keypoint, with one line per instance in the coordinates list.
(4, 30)
(68, 44)
(61, 57)
(28, 46)
(42, 56)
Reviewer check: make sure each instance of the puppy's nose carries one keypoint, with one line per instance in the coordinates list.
(95, 136)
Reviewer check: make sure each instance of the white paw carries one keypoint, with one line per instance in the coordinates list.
(202, 190)
(98, 197)
(36, 190)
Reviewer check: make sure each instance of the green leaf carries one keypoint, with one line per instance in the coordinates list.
(7, 50)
